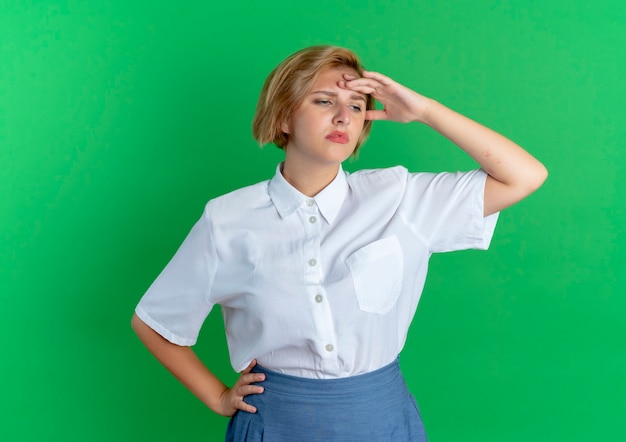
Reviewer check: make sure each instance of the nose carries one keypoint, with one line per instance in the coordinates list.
(342, 115)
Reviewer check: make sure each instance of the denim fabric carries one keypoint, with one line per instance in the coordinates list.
(372, 407)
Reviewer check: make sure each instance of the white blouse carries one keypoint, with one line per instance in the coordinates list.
(319, 287)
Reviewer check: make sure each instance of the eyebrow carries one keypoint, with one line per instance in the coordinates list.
(334, 94)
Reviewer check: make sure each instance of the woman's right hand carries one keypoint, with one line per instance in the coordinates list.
(183, 363)
(232, 399)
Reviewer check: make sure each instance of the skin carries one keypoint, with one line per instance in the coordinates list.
(312, 160)
(185, 365)
(513, 173)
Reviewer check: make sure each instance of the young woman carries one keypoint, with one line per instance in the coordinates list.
(319, 272)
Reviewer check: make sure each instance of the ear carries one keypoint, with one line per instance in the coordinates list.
(284, 126)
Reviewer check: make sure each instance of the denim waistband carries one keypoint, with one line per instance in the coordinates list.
(368, 382)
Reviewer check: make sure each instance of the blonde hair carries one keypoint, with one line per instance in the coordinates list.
(289, 83)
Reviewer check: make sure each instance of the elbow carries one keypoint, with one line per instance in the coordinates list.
(539, 176)
(136, 324)
(500, 195)
(531, 178)
(141, 329)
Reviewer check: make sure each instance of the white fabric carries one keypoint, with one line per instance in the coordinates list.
(319, 287)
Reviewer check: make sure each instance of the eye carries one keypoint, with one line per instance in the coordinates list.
(322, 102)
(355, 107)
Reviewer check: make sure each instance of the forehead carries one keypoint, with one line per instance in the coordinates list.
(326, 82)
(333, 75)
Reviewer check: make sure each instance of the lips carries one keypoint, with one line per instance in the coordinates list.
(338, 137)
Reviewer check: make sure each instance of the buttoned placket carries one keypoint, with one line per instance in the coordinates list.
(314, 277)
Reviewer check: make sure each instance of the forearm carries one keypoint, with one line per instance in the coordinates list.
(183, 363)
(500, 157)
(514, 173)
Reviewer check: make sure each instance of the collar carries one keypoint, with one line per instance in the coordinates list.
(287, 199)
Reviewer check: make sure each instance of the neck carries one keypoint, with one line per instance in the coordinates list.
(309, 180)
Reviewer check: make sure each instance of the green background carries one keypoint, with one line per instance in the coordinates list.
(119, 120)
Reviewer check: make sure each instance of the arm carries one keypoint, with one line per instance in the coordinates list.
(183, 363)
(513, 173)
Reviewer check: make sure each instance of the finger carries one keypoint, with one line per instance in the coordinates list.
(250, 378)
(356, 82)
(371, 75)
(376, 115)
(383, 79)
(367, 90)
(249, 367)
(246, 407)
(246, 390)
(242, 392)
(363, 89)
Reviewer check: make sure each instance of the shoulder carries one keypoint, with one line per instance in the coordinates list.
(399, 181)
(377, 178)
(238, 203)
(451, 181)
(395, 178)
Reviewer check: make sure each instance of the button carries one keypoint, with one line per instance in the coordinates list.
(312, 219)
(312, 262)
(319, 298)
(329, 347)
(310, 202)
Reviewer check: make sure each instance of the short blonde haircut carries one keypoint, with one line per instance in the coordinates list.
(290, 82)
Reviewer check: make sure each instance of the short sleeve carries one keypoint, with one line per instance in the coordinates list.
(177, 302)
(446, 210)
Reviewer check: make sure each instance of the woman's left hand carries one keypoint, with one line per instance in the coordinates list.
(400, 103)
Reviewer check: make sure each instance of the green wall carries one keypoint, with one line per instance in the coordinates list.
(120, 119)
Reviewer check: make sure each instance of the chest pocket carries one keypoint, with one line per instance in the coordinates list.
(376, 271)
